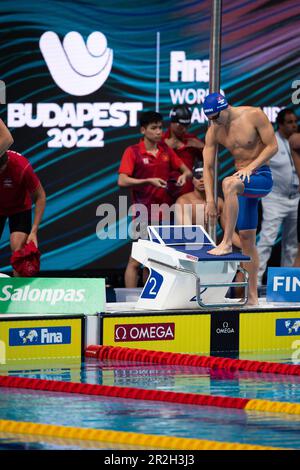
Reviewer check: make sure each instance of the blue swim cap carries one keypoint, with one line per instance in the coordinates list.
(214, 103)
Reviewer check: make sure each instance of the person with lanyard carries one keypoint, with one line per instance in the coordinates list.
(294, 141)
(186, 145)
(145, 168)
(280, 206)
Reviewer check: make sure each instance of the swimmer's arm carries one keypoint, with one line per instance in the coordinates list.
(209, 155)
(294, 141)
(267, 135)
(6, 139)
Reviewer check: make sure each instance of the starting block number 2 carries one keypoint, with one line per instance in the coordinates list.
(153, 285)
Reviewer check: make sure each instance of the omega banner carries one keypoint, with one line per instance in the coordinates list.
(52, 295)
(75, 83)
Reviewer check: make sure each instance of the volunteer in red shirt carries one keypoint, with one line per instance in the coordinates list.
(19, 185)
(187, 146)
(145, 168)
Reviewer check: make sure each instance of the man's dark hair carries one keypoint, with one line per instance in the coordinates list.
(281, 115)
(150, 117)
(3, 159)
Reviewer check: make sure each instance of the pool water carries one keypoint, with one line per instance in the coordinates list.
(189, 421)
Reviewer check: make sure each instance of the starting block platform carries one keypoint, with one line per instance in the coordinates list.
(183, 275)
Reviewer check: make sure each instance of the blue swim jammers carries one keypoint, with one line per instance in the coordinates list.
(260, 185)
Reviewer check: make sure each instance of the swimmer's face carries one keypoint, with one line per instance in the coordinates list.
(198, 180)
(219, 118)
(214, 117)
(199, 183)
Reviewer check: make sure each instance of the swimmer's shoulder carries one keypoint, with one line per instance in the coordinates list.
(255, 115)
(251, 111)
(186, 198)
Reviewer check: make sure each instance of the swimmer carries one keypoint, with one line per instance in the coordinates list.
(249, 136)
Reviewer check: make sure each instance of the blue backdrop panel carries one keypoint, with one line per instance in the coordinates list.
(77, 74)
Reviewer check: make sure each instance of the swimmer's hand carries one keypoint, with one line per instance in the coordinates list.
(211, 213)
(157, 182)
(243, 174)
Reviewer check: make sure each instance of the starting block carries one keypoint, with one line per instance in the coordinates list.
(182, 274)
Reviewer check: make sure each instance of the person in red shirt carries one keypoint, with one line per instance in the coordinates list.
(19, 185)
(145, 168)
(187, 146)
(6, 139)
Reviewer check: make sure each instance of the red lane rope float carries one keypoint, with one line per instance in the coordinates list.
(154, 395)
(123, 392)
(193, 360)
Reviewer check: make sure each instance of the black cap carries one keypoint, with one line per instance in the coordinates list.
(198, 170)
(181, 114)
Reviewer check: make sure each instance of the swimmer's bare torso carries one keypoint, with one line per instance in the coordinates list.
(239, 135)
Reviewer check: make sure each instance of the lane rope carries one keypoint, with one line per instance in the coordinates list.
(148, 394)
(192, 360)
(122, 437)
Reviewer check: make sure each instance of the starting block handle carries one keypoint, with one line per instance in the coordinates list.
(199, 286)
(244, 284)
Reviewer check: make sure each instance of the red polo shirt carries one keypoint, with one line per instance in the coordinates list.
(188, 155)
(17, 182)
(138, 163)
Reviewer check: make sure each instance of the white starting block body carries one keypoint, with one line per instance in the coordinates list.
(182, 274)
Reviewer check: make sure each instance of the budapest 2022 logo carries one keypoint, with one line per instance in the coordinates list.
(79, 68)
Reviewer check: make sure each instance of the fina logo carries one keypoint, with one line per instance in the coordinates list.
(283, 284)
(292, 326)
(77, 68)
(288, 327)
(40, 336)
(28, 338)
(289, 283)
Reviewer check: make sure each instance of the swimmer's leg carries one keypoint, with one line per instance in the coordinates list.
(232, 187)
(248, 242)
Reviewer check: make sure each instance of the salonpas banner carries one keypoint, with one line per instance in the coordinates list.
(52, 295)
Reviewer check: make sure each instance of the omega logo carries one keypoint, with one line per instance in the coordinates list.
(145, 332)
(225, 329)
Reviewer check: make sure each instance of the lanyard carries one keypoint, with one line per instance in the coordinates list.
(295, 181)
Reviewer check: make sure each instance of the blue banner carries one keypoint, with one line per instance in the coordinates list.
(39, 336)
(77, 78)
(283, 285)
(288, 327)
